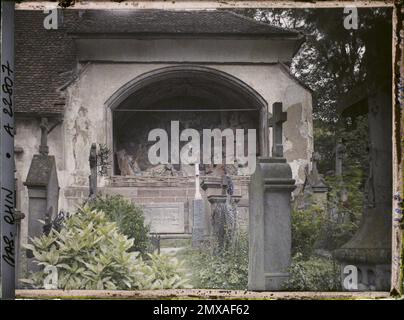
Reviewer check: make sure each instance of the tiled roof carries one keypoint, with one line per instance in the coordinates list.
(174, 22)
(45, 59)
(42, 59)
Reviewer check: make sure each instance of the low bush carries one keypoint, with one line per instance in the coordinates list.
(307, 227)
(90, 252)
(314, 274)
(128, 217)
(226, 269)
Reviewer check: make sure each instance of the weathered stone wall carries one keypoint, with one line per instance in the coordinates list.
(86, 121)
(98, 73)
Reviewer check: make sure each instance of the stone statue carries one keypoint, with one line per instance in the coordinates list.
(43, 148)
(124, 163)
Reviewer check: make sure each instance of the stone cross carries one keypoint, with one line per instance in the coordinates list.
(93, 171)
(43, 148)
(197, 186)
(276, 121)
(314, 159)
(198, 225)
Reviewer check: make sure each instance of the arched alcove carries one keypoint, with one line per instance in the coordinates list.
(198, 97)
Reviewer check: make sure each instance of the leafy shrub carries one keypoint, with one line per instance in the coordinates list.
(307, 226)
(128, 217)
(227, 269)
(314, 274)
(165, 272)
(350, 211)
(89, 252)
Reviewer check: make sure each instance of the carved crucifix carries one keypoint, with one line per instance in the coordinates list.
(276, 121)
(45, 130)
(43, 148)
(93, 171)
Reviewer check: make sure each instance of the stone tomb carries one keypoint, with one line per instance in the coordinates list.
(155, 67)
(165, 217)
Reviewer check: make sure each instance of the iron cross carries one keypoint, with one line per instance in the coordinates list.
(276, 121)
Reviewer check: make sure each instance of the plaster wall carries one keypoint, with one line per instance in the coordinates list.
(86, 117)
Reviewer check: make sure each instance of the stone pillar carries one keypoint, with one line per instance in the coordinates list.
(317, 184)
(320, 193)
(215, 192)
(270, 238)
(211, 186)
(369, 250)
(217, 203)
(43, 193)
(198, 225)
(264, 131)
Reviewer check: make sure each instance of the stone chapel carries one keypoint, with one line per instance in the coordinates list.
(110, 77)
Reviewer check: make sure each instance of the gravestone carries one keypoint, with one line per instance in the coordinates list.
(198, 225)
(317, 184)
(43, 188)
(270, 215)
(222, 206)
(165, 217)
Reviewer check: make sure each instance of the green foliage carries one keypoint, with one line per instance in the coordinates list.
(227, 269)
(91, 253)
(355, 138)
(354, 133)
(128, 217)
(314, 228)
(314, 274)
(341, 229)
(333, 59)
(163, 271)
(307, 228)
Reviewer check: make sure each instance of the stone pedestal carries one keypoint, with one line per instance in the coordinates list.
(320, 193)
(270, 224)
(215, 194)
(220, 219)
(43, 193)
(198, 225)
(212, 186)
(369, 250)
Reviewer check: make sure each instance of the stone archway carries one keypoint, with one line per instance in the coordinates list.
(182, 92)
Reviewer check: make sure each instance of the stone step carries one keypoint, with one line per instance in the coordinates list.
(172, 250)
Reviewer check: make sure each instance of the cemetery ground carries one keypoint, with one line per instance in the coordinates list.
(205, 294)
(213, 273)
(182, 250)
(302, 222)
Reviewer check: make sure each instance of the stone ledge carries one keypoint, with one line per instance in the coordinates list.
(165, 181)
(364, 255)
(195, 293)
